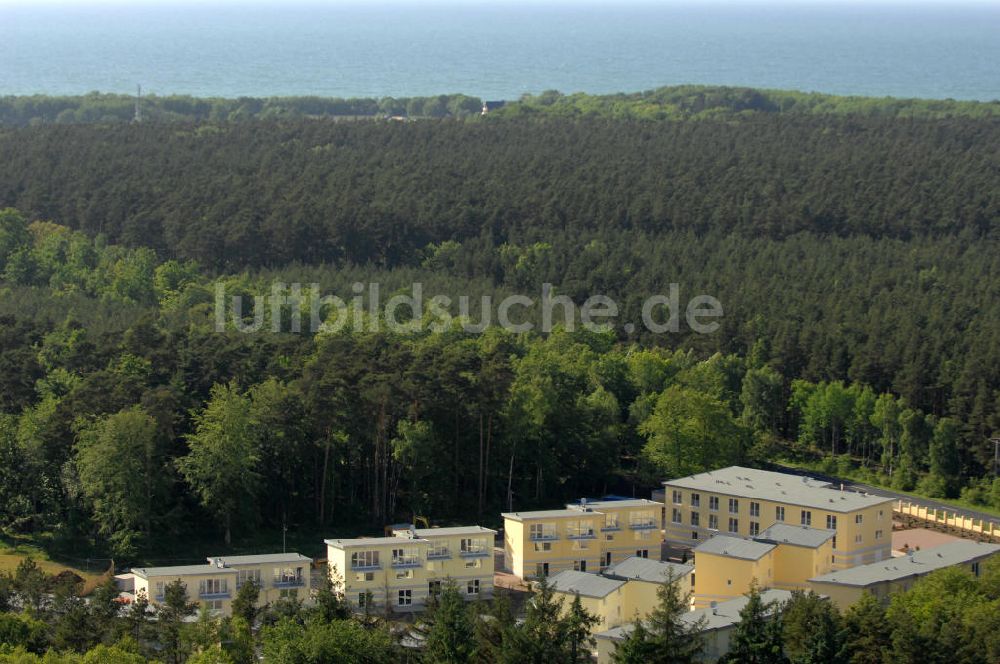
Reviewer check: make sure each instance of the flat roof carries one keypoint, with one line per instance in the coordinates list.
(724, 614)
(181, 570)
(598, 505)
(261, 559)
(741, 482)
(584, 583)
(734, 547)
(919, 563)
(547, 514)
(426, 533)
(785, 533)
(645, 569)
(369, 541)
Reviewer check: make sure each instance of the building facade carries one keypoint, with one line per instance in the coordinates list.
(399, 573)
(743, 502)
(584, 537)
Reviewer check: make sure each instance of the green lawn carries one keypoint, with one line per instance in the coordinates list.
(12, 554)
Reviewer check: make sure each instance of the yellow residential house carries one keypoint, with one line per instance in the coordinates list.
(277, 575)
(462, 554)
(882, 579)
(725, 567)
(584, 537)
(801, 554)
(544, 543)
(644, 578)
(631, 528)
(743, 502)
(211, 586)
(717, 626)
(600, 596)
(400, 572)
(623, 592)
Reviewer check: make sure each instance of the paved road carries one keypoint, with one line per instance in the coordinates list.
(878, 491)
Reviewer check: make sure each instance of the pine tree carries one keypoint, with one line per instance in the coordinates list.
(812, 629)
(866, 632)
(449, 628)
(757, 638)
(664, 638)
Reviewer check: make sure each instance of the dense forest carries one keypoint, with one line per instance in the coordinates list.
(947, 617)
(854, 253)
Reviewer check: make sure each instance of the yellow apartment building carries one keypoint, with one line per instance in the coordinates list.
(631, 528)
(278, 575)
(725, 566)
(718, 624)
(626, 591)
(801, 554)
(743, 502)
(399, 573)
(211, 586)
(644, 578)
(600, 596)
(882, 579)
(463, 554)
(585, 537)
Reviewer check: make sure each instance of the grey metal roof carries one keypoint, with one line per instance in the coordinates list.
(546, 514)
(784, 533)
(182, 570)
(598, 505)
(741, 482)
(644, 569)
(584, 583)
(725, 614)
(734, 547)
(369, 541)
(921, 562)
(262, 559)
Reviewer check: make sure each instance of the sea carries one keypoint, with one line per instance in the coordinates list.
(498, 50)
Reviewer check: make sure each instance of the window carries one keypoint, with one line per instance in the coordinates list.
(213, 605)
(472, 587)
(289, 593)
(880, 515)
(364, 576)
(695, 518)
(607, 559)
(713, 522)
(362, 599)
(541, 569)
(754, 509)
(364, 559)
(831, 522)
(806, 518)
(713, 503)
(580, 545)
(579, 565)
(694, 534)
(404, 598)
(975, 568)
(478, 546)
(542, 531)
(244, 575)
(734, 525)
(695, 500)
(159, 588)
(676, 516)
(434, 587)
(543, 546)
(878, 534)
(213, 586)
(779, 513)
(611, 521)
(641, 535)
(407, 556)
(754, 529)
(834, 543)
(858, 538)
(438, 551)
(642, 553)
(287, 575)
(859, 518)
(678, 497)
(734, 506)
(473, 564)
(404, 574)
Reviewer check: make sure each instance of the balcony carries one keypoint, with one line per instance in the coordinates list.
(611, 528)
(543, 537)
(405, 562)
(290, 583)
(581, 535)
(475, 552)
(442, 554)
(219, 595)
(366, 568)
(647, 524)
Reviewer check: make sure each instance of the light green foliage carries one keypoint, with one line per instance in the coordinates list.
(346, 641)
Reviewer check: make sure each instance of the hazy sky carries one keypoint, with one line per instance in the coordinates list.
(27, 3)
